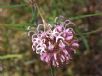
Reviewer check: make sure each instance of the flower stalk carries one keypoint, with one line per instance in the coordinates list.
(52, 70)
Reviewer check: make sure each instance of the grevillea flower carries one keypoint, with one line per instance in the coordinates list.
(55, 45)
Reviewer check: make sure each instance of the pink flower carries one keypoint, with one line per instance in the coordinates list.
(55, 46)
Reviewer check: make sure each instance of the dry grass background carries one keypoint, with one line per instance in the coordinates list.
(16, 55)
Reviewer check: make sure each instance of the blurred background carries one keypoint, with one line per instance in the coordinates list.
(16, 55)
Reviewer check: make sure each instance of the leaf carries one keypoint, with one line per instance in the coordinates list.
(84, 16)
(9, 56)
(21, 27)
(83, 38)
(13, 6)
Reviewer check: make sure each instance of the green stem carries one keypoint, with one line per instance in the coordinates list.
(52, 71)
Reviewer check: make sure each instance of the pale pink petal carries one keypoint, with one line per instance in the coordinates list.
(59, 28)
(75, 44)
(61, 44)
(69, 37)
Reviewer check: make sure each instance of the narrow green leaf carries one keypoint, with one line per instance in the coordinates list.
(21, 27)
(93, 32)
(34, 15)
(13, 6)
(84, 16)
(83, 38)
(9, 56)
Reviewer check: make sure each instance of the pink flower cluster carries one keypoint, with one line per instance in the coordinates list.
(55, 46)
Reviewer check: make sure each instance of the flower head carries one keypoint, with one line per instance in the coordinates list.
(55, 46)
